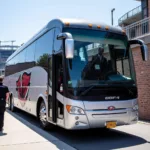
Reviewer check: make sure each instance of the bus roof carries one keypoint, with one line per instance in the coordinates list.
(72, 23)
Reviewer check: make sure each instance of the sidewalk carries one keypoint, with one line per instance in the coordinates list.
(20, 134)
(144, 122)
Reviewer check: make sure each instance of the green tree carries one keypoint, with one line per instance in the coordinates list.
(43, 61)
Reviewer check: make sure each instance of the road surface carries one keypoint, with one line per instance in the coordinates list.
(132, 137)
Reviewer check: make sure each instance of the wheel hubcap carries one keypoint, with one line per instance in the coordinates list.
(43, 115)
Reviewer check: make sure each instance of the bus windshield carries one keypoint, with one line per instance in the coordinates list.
(100, 59)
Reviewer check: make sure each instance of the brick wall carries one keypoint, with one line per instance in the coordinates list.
(143, 81)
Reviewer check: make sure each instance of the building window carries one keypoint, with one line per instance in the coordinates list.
(144, 8)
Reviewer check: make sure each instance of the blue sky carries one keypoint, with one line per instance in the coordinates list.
(21, 19)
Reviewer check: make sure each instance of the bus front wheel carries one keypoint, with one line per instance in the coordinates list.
(43, 117)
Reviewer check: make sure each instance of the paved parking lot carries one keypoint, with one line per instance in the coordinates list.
(22, 131)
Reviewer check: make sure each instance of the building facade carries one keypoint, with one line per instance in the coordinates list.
(136, 23)
(5, 52)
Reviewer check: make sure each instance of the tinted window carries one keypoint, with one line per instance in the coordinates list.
(20, 58)
(44, 46)
(37, 51)
(15, 59)
(9, 62)
(30, 51)
(144, 3)
(16, 64)
(12, 61)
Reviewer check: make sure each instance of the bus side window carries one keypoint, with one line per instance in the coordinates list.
(44, 46)
(19, 61)
(30, 52)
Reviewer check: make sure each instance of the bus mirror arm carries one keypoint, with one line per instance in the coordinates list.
(64, 35)
(144, 48)
(69, 44)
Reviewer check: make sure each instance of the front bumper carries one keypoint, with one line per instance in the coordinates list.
(99, 118)
(121, 117)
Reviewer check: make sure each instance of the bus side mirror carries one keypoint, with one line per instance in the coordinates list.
(69, 48)
(69, 44)
(144, 48)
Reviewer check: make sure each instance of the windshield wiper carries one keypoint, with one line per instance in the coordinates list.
(111, 84)
(96, 85)
(91, 87)
(124, 85)
(87, 90)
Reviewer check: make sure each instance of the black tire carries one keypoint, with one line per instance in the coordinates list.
(9, 103)
(43, 118)
(12, 107)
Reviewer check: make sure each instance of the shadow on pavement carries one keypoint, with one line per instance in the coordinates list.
(2, 134)
(83, 139)
(98, 139)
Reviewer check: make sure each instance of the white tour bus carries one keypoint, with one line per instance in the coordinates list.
(75, 74)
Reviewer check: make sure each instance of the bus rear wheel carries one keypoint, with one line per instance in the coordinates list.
(43, 117)
(11, 104)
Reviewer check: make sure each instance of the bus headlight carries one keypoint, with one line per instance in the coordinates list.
(136, 107)
(75, 110)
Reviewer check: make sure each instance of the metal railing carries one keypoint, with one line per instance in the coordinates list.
(130, 14)
(138, 29)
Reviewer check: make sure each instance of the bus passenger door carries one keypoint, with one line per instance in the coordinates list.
(59, 90)
(49, 89)
(55, 88)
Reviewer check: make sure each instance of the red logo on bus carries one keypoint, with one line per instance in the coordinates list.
(22, 85)
(111, 108)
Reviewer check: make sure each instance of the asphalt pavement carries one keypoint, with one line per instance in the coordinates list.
(22, 131)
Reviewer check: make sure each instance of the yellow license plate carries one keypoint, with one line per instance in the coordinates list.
(110, 124)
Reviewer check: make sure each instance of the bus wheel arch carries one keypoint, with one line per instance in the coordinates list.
(41, 105)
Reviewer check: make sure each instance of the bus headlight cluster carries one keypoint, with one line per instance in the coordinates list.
(136, 107)
(74, 110)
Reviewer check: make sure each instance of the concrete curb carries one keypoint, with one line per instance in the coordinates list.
(144, 122)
